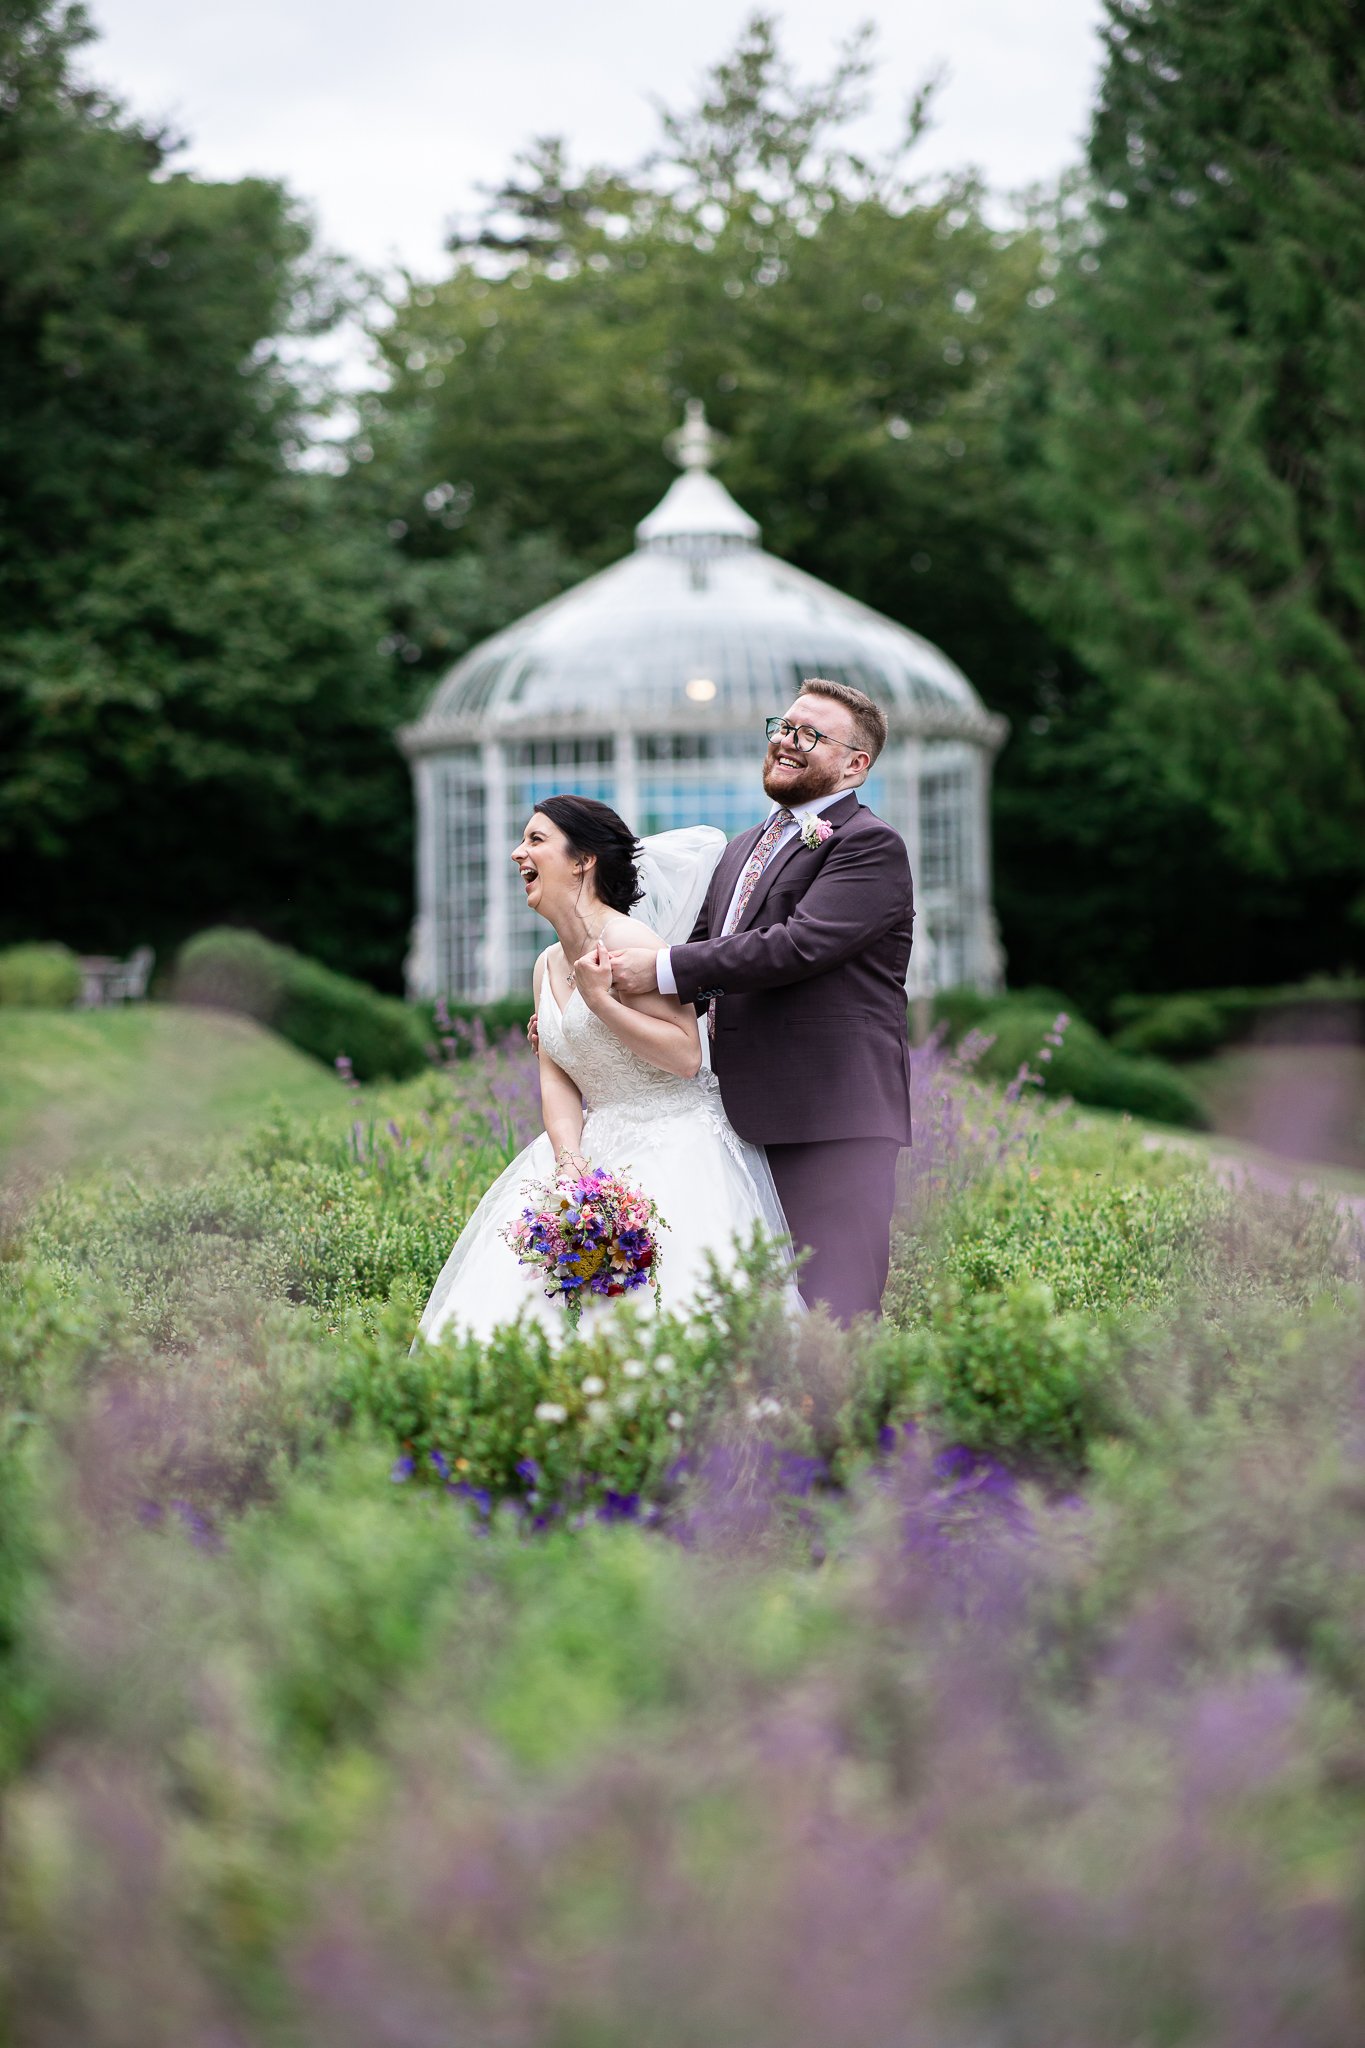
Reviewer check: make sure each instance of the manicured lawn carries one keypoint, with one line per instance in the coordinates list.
(84, 1083)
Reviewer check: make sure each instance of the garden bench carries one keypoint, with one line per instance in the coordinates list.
(105, 980)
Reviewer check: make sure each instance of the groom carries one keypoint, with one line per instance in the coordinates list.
(801, 953)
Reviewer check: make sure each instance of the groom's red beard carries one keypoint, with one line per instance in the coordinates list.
(815, 780)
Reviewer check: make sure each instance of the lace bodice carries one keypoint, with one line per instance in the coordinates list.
(623, 1095)
(605, 1072)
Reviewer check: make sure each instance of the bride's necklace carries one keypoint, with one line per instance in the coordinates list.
(592, 938)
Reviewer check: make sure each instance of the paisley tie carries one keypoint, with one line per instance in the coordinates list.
(764, 849)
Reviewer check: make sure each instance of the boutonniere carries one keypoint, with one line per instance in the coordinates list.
(815, 831)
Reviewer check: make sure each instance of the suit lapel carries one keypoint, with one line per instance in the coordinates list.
(838, 814)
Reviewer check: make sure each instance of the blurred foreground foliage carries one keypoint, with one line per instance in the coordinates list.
(349, 1692)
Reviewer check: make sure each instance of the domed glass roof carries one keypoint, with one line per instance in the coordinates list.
(698, 629)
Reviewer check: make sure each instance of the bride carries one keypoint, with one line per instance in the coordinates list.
(625, 1082)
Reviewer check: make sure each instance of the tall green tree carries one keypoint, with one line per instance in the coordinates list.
(850, 331)
(1192, 437)
(195, 715)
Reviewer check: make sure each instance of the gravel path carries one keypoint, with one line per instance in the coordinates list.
(1237, 1169)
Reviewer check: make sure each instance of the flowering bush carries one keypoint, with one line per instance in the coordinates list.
(562, 1430)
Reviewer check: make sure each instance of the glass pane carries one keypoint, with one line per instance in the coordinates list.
(461, 881)
(942, 829)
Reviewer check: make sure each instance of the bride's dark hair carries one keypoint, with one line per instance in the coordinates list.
(594, 828)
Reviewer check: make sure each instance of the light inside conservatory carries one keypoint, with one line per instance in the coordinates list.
(701, 689)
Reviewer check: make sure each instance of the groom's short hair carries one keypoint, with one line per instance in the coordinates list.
(869, 720)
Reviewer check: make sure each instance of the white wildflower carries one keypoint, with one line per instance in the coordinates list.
(593, 1385)
(599, 1411)
(632, 1369)
(551, 1411)
(627, 1400)
(675, 1420)
(664, 1362)
(763, 1407)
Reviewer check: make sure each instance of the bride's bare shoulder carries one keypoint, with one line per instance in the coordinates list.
(623, 930)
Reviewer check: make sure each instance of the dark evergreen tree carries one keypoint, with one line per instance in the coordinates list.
(1193, 445)
(196, 719)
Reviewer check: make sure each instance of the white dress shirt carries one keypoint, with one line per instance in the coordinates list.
(800, 812)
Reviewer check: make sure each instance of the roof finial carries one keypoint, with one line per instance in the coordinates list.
(696, 444)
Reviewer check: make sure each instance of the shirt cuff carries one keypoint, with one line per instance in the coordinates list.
(663, 967)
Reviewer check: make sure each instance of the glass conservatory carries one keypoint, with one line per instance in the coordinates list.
(647, 686)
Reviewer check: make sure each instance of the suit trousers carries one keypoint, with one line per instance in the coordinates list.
(838, 1198)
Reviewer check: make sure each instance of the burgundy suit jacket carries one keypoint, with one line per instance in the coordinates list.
(811, 1036)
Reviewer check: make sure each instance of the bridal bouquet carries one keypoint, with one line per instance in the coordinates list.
(588, 1233)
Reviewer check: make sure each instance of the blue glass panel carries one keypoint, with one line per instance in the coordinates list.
(461, 879)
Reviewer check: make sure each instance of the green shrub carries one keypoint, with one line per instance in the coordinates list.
(997, 1371)
(1085, 1067)
(1005, 1373)
(1098, 1247)
(322, 1012)
(606, 1410)
(39, 977)
(332, 1221)
(965, 1009)
(1195, 1023)
(1177, 1027)
(961, 1009)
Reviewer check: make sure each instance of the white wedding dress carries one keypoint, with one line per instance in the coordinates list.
(668, 1135)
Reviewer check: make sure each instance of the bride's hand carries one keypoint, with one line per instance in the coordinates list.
(592, 976)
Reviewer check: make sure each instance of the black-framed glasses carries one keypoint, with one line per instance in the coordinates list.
(804, 737)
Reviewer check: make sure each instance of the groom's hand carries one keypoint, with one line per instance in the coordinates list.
(634, 971)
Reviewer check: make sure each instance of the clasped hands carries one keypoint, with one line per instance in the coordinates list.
(599, 974)
(592, 976)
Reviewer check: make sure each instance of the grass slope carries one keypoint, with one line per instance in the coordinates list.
(80, 1084)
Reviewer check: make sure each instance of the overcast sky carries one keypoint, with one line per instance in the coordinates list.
(386, 118)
